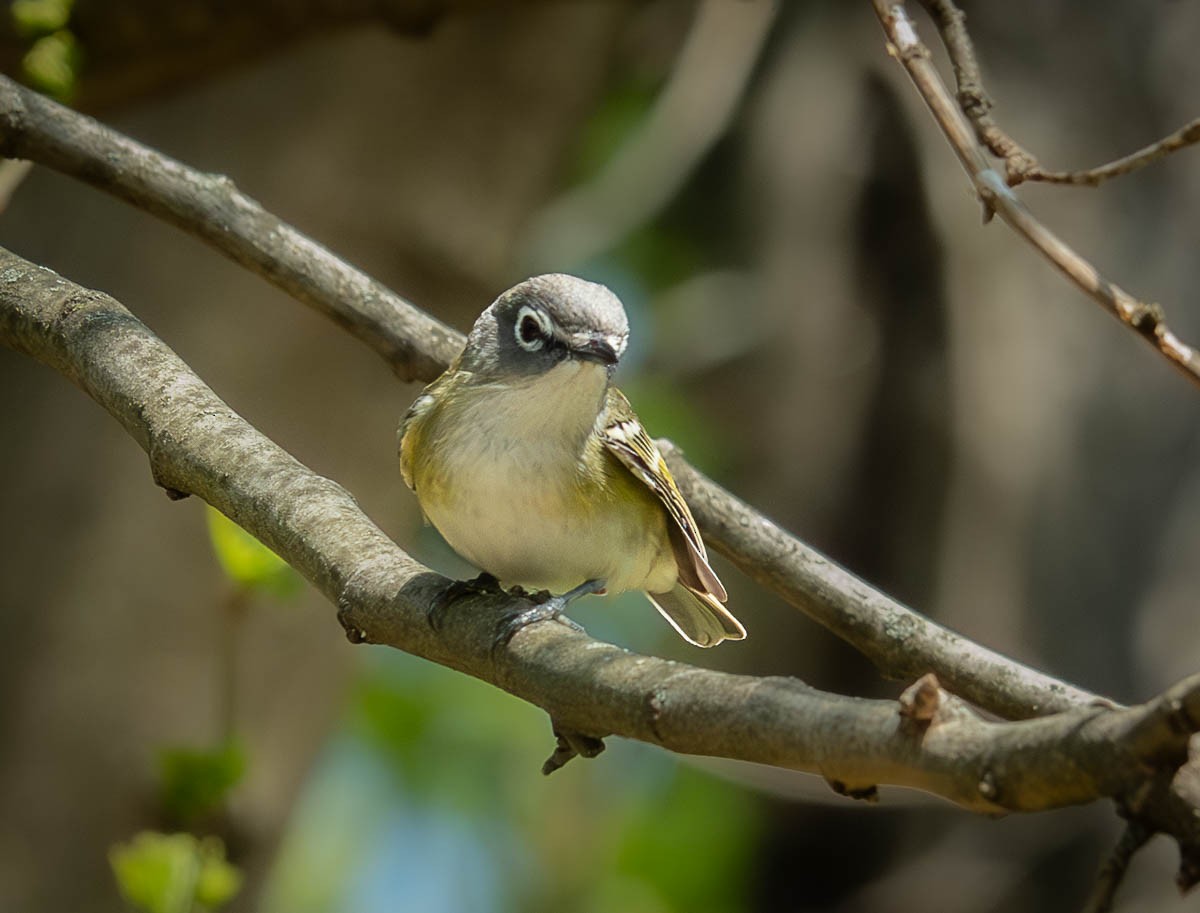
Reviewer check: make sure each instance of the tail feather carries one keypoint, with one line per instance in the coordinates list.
(698, 617)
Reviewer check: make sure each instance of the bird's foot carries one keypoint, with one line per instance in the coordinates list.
(484, 584)
(545, 608)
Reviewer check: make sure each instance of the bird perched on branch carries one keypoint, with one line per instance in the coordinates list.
(535, 468)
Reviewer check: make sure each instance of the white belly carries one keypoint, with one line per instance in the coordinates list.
(508, 498)
(513, 524)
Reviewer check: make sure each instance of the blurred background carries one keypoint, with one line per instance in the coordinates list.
(819, 318)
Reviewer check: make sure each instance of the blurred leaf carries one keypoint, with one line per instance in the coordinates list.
(450, 739)
(692, 842)
(40, 17)
(195, 782)
(52, 64)
(619, 113)
(246, 561)
(658, 256)
(219, 880)
(170, 873)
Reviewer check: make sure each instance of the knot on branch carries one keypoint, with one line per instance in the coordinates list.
(1019, 165)
(1146, 318)
(919, 702)
(974, 102)
(863, 793)
(570, 744)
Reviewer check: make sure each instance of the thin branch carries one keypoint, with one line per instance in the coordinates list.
(1169, 806)
(197, 445)
(1019, 163)
(1133, 838)
(1146, 319)
(900, 642)
(1187, 135)
(974, 100)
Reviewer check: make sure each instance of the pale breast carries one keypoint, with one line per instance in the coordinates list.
(509, 494)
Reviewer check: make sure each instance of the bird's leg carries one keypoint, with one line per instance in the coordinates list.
(546, 609)
(485, 583)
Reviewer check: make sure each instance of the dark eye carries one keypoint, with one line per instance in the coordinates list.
(531, 329)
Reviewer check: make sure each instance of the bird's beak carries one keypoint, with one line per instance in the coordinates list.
(594, 348)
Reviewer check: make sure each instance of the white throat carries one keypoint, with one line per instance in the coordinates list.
(559, 407)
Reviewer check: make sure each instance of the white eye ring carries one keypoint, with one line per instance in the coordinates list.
(532, 328)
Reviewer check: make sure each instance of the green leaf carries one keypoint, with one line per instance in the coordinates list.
(195, 782)
(52, 64)
(672, 842)
(246, 561)
(40, 17)
(171, 873)
(219, 880)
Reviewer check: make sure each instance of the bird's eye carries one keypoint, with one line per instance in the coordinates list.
(531, 329)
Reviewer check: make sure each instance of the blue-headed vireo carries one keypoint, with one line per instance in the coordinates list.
(536, 470)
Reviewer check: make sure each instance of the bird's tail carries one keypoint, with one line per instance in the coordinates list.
(699, 618)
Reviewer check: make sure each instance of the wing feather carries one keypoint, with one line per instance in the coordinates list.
(628, 441)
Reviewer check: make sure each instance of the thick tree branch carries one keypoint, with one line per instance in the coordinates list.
(198, 445)
(1146, 319)
(210, 207)
(381, 589)
(1019, 163)
(901, 642)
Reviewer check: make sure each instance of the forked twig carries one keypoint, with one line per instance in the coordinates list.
(1145, 318)
(1019, 163)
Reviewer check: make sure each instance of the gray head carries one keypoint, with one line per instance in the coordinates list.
(544, 321)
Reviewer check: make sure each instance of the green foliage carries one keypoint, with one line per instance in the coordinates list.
(620, 113)
(174, 873)
(249, 564)
(52, 64)
(195, 782)
(659, 256)
(635, 830)
(54, 59)
(34, 18)
(449, 737)
(690, 843)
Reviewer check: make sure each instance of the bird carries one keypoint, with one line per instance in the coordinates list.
(535, 468)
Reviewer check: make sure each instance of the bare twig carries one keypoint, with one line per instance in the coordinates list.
(972, 97)
(1170, 806)
(197, 445)
(1186, 135)
(1145, 319)
(1133, 838)
(1019, 163)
